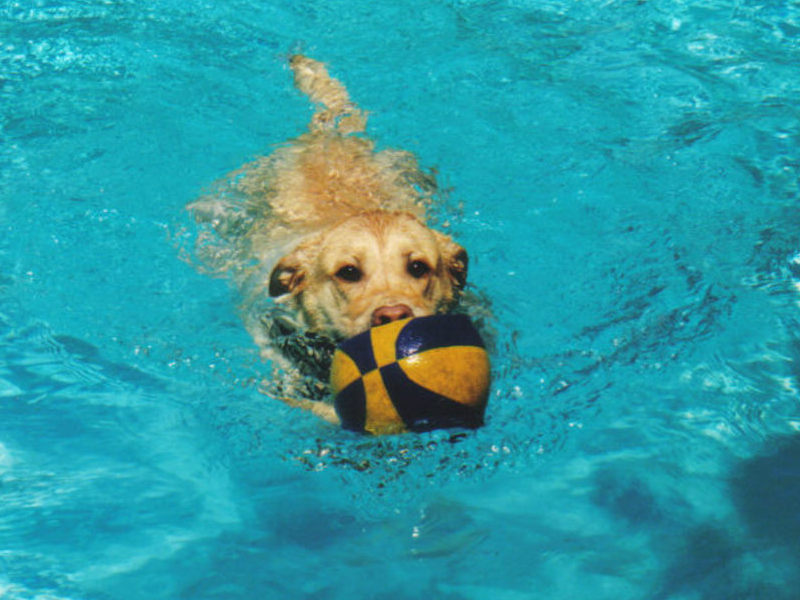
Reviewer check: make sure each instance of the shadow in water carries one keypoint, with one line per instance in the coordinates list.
(766, 491)
(715, 564)
(753, 556)
(709, 564)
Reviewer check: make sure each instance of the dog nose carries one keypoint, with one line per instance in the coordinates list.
(387, 314)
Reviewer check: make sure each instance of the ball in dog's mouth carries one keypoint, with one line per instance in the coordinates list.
(412, 374)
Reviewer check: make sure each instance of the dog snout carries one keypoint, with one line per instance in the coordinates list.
(387, 314)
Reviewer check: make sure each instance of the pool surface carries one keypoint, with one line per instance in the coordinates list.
(626, 177)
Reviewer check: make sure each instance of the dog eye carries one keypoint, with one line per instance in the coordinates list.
(349, 273)
(418, 268)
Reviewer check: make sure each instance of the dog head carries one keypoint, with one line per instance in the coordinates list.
(368, 270)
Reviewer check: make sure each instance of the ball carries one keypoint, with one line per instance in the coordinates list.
(414, 374)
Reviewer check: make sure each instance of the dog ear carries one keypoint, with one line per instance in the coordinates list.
(285, 278)
(457, 266)
(289, 275)
(455, 260)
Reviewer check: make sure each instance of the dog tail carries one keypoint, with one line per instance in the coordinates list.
(335, 111)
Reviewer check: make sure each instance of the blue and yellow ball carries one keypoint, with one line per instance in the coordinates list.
(415, 374)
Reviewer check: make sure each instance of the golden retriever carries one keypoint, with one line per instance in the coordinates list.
(333, 231)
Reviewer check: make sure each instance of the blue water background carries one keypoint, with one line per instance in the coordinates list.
(625, 176)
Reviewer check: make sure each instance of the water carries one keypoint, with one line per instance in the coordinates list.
(628, 177)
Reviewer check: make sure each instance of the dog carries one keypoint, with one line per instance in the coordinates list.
(327, 237)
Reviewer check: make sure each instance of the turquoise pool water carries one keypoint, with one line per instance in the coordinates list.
(628, 181)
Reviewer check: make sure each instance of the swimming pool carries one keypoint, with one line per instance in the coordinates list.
(625, 175)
